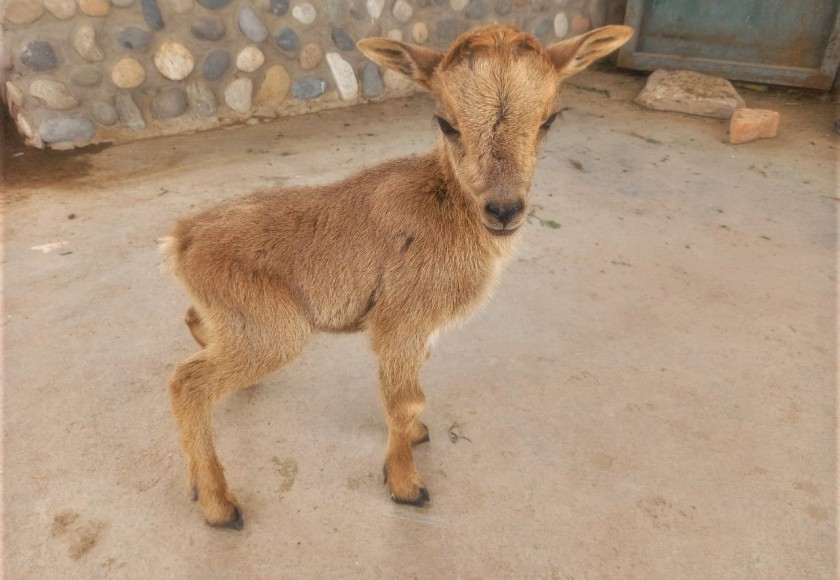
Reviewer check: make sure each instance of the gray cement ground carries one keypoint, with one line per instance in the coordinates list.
(650, 394)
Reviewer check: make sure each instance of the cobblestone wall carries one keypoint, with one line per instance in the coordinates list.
(77, 72)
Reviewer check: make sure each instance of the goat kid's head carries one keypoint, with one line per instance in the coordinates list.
(497, 92)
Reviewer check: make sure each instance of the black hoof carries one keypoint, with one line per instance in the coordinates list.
(418, 501)
(235, 523)
(194, 494)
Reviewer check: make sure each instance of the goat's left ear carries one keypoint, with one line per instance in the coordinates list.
(415, 62)
(573, 55)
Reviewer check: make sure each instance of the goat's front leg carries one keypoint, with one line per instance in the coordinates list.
(399, 370)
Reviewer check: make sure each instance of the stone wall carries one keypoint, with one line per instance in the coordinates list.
(77, 72)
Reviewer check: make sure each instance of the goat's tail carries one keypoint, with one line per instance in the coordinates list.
(168, 246)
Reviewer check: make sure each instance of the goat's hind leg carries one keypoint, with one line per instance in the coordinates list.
(196, 385)
(226, 364)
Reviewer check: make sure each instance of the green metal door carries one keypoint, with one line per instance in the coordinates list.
(786, 42)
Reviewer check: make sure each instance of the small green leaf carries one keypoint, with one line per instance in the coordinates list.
(550, 224)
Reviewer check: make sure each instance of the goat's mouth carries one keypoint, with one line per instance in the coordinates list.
(502, 232)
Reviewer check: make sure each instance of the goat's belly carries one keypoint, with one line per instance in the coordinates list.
(335, 301)
(341, 317)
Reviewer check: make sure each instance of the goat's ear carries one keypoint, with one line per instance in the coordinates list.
(415, 62)
(575, 54)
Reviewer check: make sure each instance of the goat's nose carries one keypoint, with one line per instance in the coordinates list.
(504, 212)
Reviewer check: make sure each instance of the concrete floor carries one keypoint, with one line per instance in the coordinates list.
(650, 394)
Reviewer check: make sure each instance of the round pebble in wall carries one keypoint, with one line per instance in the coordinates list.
(133, 38)
(341, 39)
(250, 59)
(174, 61)
(561, 25)
(307, 88)
(402, 11)
(310, 56)
(22, 12)
(344, 77)
(216, 64)
(66, 129)
(38, 55)
(94, 7)
(201, 99)
(375, 8)
(170, 103)
(357, 9)
(278, 7)
(238, 95)
(54, 94)
(129, 112)
(151, 13)
(420, 32)
(540, 27)
(179, 6)
(128, 73)
(371, 81)
(580, 24)
(84, 41)
(251, 25)
(304, 13)
(214, 4)
(274, 87)
(105, 113)
(61, 9)
(287, 41)
(207, 28)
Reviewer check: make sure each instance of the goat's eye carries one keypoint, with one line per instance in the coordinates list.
(446, 127)
(547, 125)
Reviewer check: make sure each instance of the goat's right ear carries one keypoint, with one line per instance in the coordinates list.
(415, 62)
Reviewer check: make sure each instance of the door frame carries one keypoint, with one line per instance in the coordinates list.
(814, 78)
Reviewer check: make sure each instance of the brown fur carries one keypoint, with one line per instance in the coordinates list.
(400, 250)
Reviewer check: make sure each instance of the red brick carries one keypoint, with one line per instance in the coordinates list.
(751, 124)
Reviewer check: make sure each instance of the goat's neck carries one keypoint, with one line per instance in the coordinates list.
(456, 193)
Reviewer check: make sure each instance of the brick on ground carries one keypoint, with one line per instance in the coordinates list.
(750, 124)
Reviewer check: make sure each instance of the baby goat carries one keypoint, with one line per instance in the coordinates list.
(401, 249)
